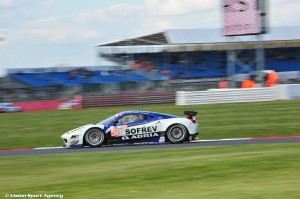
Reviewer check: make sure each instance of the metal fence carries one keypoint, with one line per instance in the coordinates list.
(127, 99)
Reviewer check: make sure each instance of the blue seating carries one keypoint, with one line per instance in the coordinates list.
(32, 79)
(213, 63)
(131, 76)
(177, 65)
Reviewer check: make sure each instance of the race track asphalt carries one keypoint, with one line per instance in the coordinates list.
(199, 143)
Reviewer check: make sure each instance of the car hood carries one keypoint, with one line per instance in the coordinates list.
(83, 129)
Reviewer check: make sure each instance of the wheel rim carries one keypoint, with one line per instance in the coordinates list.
(95, 137)
(177, 133)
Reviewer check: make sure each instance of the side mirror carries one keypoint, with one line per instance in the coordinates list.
(114, 123)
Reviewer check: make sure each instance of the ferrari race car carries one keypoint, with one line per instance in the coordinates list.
(134, 127)
(8, 108)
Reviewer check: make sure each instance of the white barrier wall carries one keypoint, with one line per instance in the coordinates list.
(215, 96)
(293, 91)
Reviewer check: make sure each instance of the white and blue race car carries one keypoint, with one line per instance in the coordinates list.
(9, 108)
(134, 127)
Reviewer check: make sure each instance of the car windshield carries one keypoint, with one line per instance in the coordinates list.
(107, 120)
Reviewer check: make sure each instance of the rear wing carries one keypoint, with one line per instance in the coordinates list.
(190, 114)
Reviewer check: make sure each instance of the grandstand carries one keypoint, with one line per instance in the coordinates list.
(203, 51)
(199, 64)
(171, 58)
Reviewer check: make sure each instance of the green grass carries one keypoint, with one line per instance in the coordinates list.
(269, 171)
(246, 172)
(37, 129)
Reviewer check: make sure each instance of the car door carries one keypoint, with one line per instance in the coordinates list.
(134, 127)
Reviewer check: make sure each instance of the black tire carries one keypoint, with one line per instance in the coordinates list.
(94, 137)
(177, 133)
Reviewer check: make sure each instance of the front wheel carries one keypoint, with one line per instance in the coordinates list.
(94, 137)
(177, 133)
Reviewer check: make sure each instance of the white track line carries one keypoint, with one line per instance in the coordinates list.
(56, 147)
(218, 140)
(236, 139)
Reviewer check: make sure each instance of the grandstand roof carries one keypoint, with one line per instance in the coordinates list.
(202, 36)
(151, 39)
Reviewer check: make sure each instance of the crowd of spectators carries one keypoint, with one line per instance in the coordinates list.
(80, 72)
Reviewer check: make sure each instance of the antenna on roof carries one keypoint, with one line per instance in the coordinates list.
(142, 108)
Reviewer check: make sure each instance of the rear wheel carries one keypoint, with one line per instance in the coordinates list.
(177, 133)
(94, 137)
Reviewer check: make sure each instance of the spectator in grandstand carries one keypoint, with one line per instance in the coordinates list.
(249, 82)
(90, 74)
(20, 72)
(149, 67)
(84, 73)
(72, 74)
(187, 67)
(165, 72)
(137, 64)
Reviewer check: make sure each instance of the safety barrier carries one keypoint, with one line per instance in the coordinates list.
(214, 96)
(38, 105)
(49, 104)
(128, 99)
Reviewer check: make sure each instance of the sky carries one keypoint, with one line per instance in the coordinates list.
(47, 33)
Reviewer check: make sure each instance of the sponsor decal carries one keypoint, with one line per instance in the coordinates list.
(72, 142)
(73, 136)
(148, 129)
(117, 131)
(125, 131)
(140, 136)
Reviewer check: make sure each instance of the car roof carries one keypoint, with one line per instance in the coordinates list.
(144, 112)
